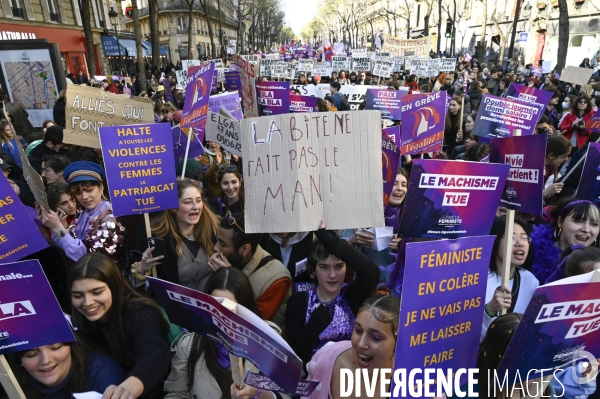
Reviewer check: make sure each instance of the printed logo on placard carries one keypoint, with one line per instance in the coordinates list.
(566, 353)
(450, 221)
(511, 192)
(4, 335)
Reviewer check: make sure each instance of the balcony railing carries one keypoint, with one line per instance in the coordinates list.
(54, 17)
(18, 13)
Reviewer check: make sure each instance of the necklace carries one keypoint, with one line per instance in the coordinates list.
(190, 237)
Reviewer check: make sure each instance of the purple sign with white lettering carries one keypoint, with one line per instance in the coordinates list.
(442, 305)
(140, 167)
(300, 103)
(442, 195)
(180, 139)
(19, 236)
(273, 97)
(423, 118)
(394, 133)
(30, 315)
(525, 182)
(390, 162)
(243, 334)
(389, 102)
(233, 82)
(531, 95)
(589, 185)
(231, 102)
(501, 117)
(197, 93)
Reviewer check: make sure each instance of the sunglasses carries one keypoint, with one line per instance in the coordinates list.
(582, 102)
(231, 220)
(227, 168)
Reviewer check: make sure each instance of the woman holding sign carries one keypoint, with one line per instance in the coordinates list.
(573, 125)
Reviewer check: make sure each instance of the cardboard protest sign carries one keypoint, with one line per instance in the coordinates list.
(389, 164)
(305, 66)
(405, 47)
(224, 131)
(140, 168)
(186, 64)
(304, 388)
(243, 334)
(30, 315)
(180, 138)
(278, 70)
(442, 304)
(304, 90)
(233, 82)
(447, 64)
(576, 75)
(248, 74)
(561, 321)
(442, 195)
(398, 64)
(265, 67)
(589, 185)
(361, 64)
(501, 117)
(383, 68)
(181, 79)
(340, 62)
(197, 94)
(354, 94)
(19, 236)
(231, 102)
(322, 69)
(423, 119)
(525, 182)
(273, 97)
(389, 102)
(301, 169)
(302, 103)
(536, 97)
(89, 108)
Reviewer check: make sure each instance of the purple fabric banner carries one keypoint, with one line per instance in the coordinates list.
(589, 185)
(300, 103)
(19, 235)
(442, 304)
(442, 195)
(180, 139)
(260, 381)
(525, 182)
(30, 315)
(140, 168)
(501, 117)
(233, 82)
(394, 133)
(197, 93)
(273, 97)
(243, 334)
(390, 161)
(231, 102)
(389, 102)
(531, 95)
(423, 118)
(168, 91)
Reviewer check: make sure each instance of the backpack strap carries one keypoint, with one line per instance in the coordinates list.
(264, 261)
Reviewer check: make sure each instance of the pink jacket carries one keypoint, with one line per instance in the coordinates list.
(320, 368)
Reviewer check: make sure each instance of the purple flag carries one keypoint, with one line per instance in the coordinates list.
(442, 195)
(589, 185)
(140, 168)
(273, 97)
(180, 139)
(30, 315)
(390, 162)
(168, 91)
(423, 118)
(19, 236)
(300, 103)
(538, 98)
(197, 92)
(389, 102)
(525, 182)
(233, 81)
(501, 117)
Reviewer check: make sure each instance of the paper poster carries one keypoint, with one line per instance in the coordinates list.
(302, 103)
(389, 102)
(33, 179)
(501, 117)
(180, 139)
(322, 69)
(301, 169)
(140, 168)
(589, 185)
(398, 64)
(224, 131)
(273, 97)
(575, 75)
(19, 236)
(233, 81)
(525, 182)
(442, 195)
(231, 102)
(423, 119)
(243, 334)
(442, 304)
(89, 108)
(404, 47)
(248, 73)
(181, 79)
(538, 98)
(340, 63)
(30, 315)
(361, 64)
(447, 64)
(383, 68)
(389, 164)
(197, 94)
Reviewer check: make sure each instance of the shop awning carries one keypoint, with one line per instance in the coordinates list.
(130, 46)
(109, 44)
(164, 50)
(147, 48)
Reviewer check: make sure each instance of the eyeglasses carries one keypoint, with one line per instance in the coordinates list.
(227, 168)
(231, 220)
(522, 239)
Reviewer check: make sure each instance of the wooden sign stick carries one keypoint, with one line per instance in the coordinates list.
(9, 381)
(237, 364)
(508, 233)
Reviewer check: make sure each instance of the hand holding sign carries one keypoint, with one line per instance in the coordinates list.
(502, 299)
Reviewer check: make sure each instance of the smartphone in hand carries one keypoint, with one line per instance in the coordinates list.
(160, 248)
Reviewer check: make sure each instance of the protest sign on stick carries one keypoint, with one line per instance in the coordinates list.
(589, 185)
(534, 96)
(197, 95)
(389, 102)
(248, 74)
(390, 162)
(181, 79)
(233, 82)
(383, 68)
(302, 103)
(575, 75)
(273, 97)
(447, 64)
(501, 117)
(231, 102)
(224, 131)
(441, 196)
(89, 108)
(300, 169)
(361, 64)
(423, 119)
(186, 141)
(340, 63)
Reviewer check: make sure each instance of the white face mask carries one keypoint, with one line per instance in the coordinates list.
(565, 105)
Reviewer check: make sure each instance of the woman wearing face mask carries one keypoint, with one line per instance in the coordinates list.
(573, 125)
(95, 228)
(188, 233)
(575, 222)
(566, 105)
(515, 295)
(343, 79)
(371, 347)
(327, 311)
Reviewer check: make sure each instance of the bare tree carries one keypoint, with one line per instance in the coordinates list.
(207, 13)
(563, 34)
(155, 40)
(89, 39)
(139, 47)
(190, 4)
(482, 43)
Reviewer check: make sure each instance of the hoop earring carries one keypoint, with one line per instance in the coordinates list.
(557, 232)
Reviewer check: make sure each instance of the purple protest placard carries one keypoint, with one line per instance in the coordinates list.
(442, 304)
(233, 81)
(300, 103)
(168, 91)
(589, 185)
(231, 102)
(390, 161)
(594, 123)
(244, 334)
(273, 97)
(389, 102)
(180, 139)
(423, 118)
(214, 83)
(524, 185)
(196, 95)
(30, 315)
(140, 167)
(127, 91)
(394, 133)
(261, 381)
(442, 195)
(501, 117)
(19, 236)
(531, 95)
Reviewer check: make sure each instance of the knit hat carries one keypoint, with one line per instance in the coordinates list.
(177, 115)
(84, 171)
(193, 169)
(317, 78)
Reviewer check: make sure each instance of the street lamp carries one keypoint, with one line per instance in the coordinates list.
(114, 19)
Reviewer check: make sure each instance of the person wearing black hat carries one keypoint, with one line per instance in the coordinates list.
(51, 145)
(95, 228)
